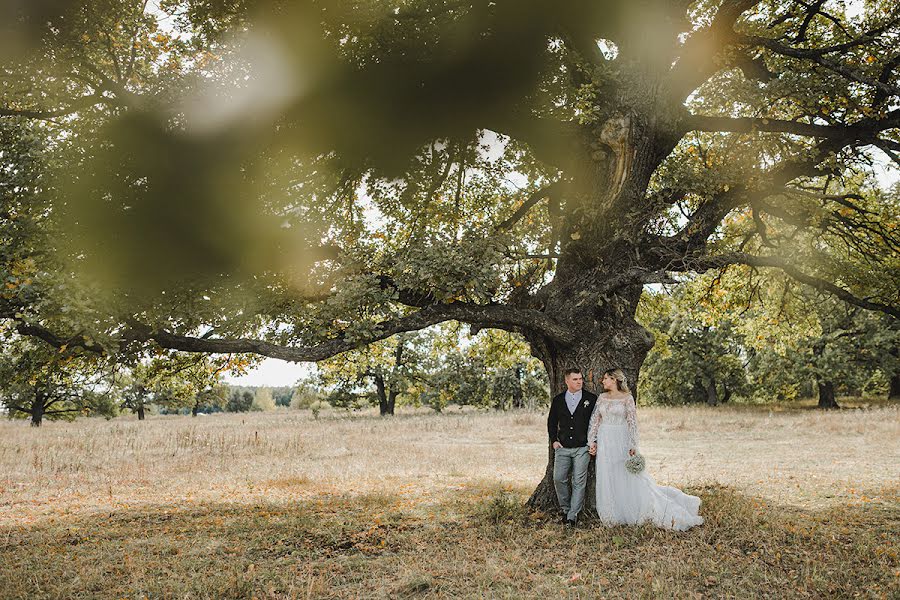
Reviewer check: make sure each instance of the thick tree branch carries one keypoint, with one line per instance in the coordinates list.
(733, 258)
(886, 73)
(484, 316)
(753, 67)
(41, 332)
(847, 133)
(527, 205)
(816, 9)
(709, 215)
(699, 58)
(819, 59)
(73, 107)
(810, 15)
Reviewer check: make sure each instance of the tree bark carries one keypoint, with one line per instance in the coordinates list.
(38, 408)
(712, 395)
(37, 412)
(894, 388)
(518, 397)
(392, 402)
(698, 392)
(140, 411)
(385, 405)
(826, 395)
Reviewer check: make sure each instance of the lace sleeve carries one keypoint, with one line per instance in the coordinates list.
(631, 421)
(594, 425)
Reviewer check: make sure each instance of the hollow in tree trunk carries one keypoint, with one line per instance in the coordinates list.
(826, 395)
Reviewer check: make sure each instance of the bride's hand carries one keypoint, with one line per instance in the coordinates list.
(631, 452)
(592, 449)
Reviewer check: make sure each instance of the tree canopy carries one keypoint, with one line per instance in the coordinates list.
(299, 179)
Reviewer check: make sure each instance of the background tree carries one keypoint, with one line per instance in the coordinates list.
(519, 166)
(842, 353)
(189, 381)
(694, 362)
(376, 374)
(263, 400)
(793, 342)
(305, 395)
(41, 382)
(282, 395)
(135, 397)
(492, 369)
(239, 400)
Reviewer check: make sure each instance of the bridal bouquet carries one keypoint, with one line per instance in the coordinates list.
(635, 464)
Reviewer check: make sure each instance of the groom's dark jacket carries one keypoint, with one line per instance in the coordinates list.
(569, 429)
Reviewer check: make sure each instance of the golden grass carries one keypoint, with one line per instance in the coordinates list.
(278, 505)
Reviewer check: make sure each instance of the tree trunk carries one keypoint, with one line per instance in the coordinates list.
(618, 342)
(518, 397)
(826, 395)
(608, 180)
(195, 408)
(38, 408)
(37, 412)
(140, 411)
(894, 389)
(712, 396)
(392, 401)
(385, 407)
(698, 392)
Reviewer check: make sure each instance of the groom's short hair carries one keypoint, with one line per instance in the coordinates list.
(571, 371)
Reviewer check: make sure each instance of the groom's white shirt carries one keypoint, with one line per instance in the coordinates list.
(572, 400)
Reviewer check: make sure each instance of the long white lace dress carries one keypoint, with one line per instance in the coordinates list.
(625, 498)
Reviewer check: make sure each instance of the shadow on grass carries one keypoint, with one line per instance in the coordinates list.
(478, 541)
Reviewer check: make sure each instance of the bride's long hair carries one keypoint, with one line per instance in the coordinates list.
(621, 380)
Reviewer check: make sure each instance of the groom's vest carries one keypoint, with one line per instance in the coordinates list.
(569, 429)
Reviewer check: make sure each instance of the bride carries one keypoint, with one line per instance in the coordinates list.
(624, 497)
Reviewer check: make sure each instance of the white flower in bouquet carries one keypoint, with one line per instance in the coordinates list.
(635, 464)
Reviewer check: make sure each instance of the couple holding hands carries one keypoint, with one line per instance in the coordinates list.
(581, 425)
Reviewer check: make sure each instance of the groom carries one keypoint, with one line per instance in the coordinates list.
(567, 424)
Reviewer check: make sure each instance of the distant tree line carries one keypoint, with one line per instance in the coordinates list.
(713, 346)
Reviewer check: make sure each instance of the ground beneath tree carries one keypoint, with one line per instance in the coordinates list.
(279, 505)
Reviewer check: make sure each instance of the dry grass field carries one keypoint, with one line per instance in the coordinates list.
(277, 505)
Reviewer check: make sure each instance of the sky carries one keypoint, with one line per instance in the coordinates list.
(274, 373)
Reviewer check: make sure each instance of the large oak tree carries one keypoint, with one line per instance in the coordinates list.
(298, 179)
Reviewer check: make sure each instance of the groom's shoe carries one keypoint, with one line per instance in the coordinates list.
(571, 523)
